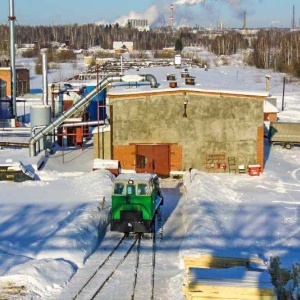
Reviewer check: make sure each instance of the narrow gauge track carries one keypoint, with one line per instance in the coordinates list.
(138, 271)
(89, 282)
(145, 270)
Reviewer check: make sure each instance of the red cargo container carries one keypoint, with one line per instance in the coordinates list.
(254, 170)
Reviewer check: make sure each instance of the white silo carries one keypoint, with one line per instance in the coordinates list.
(40, 117)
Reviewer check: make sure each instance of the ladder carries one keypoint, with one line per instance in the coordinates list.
(231, 165)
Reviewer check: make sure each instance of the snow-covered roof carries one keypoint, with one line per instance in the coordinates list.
(106, 164)
(136, 177)
(269, 107)
(211, 81)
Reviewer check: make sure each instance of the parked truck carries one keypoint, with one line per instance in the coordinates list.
(286, 134)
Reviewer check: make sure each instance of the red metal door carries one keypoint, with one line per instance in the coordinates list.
(153, 159)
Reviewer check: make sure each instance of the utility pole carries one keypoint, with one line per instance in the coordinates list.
(282, 106)
(98, 108)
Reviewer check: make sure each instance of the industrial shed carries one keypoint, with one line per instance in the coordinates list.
(175, 130)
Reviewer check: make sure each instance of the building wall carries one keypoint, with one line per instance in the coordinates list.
(272, 117)
(23, 80)
(102, 145)
(3, 92)
(215, 123)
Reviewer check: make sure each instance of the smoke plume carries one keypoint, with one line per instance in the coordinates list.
(188, 2)
(151, 14)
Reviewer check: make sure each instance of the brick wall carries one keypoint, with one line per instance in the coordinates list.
(260, 147)
(22, 77)
(176, 157)
(126, 156)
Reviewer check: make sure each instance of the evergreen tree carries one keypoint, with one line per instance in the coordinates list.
(178, 45)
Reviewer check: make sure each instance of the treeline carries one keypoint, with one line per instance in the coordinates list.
(270, 49)
(277, 50)
(88, 35)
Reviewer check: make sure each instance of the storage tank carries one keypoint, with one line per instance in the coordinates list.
(101, 98)
(6, 109)
(40, 115)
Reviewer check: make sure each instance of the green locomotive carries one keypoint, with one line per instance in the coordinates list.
(136, 199)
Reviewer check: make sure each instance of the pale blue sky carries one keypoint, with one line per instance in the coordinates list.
(260, 13)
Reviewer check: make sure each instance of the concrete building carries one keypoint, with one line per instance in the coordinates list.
(270, 111)
(174, 130)
(139, 24)
(23, 80)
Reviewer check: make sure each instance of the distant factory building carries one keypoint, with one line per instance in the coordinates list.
(139, 24)
(122, 46)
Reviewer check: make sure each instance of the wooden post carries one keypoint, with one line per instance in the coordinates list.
(282, 106)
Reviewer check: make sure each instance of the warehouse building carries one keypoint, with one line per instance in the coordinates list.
(172, 130)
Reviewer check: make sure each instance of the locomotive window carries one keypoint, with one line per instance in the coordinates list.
(119, 189)
(151, 186)
(142, 189)
(130, 189)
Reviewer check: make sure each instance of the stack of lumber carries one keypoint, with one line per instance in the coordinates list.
(210, 261)
(211, 277)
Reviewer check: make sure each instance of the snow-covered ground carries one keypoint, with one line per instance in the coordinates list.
(49, 237)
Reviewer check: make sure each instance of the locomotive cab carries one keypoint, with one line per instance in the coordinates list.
(136, 199)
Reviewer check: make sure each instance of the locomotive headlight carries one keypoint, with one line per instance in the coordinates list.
(130, 181)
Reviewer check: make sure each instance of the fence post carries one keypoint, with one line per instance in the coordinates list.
(103, 202)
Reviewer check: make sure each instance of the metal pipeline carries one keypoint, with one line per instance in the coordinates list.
(87, 123)
(13, 129)
(79, 104)
(151, 79)
(16, 132)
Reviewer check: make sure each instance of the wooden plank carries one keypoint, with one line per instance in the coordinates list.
(202, 296)
(230, 290)
(217, 277)
(235, 277)
(209, 261)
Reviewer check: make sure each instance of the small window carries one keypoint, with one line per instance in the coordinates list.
(142, 189)
(141, 161)
(130, 189)
(119, 189)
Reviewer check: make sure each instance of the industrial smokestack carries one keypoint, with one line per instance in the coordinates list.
(245, 21)
(293, 19)
(45, 79)
(171, 16)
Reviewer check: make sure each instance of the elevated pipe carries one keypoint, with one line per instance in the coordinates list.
(13, 129)
(79, 104)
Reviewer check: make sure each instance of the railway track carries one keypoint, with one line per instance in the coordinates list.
(131, 263)
(145, 270)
